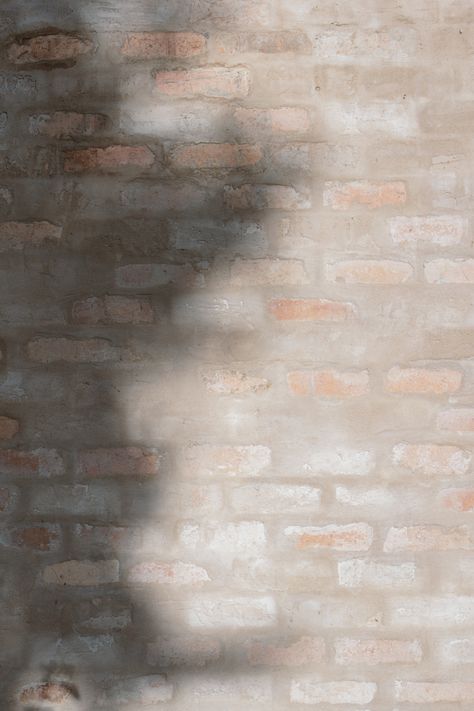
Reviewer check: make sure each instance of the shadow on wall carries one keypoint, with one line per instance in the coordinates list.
(136, 336)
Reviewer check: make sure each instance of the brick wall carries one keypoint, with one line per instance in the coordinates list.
(236, 380)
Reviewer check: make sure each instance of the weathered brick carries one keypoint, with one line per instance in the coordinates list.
(265, 197)
(66, 124)
(121, 461)
(342, 196)
(457, 499)
(304, 651)
(428, 538)
(57, 48)
(275, 498)
(329, 383)
(369, 271)
(214, 612)
(419, 692)
(215, 155)
(88, 350)
(48, 691)
(42, 463)
(185, 651)
(456, 420)
(311, 310)
(342, 461)
(111, 158)
(41, 538)
(82, 573)
(449, 271)
(348, 537)
(9, 427)
(139, 691)
(359, 573)
(309, 690)
(423, 381)
(21, 235)
(155, 45)
(283, 120)
(442, 230)
(264, 42)
(432, 459)
(112, 309)
(233, 382)
(377, 651)
(149, 276)
(225, 460)
(267, 272)
(245, 538)
(432, 611)
(174, 573)
(212, 82)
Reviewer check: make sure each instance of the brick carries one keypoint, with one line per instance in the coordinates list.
(111, 158)
(8, 497)
(423, 381)
(56, 350)
(9, 427)
(427, 538)
(432, 459)
(162, 573)
(215, 155)
(342, 461)
(308, 690)
(149, 276)
(418, 692)
(304, 651)
(96, 310)
(156, 45)
(40, 538)
(449, 271)
(283, 120)
(66, 124)
(263, 42)
(349, 537)
(359, 573)
(265, 197)
(233, 382)
(183, 651)
(330, 384)
(226, 687)
(212, 81)
(244, 538)
(372, 498)
(456, 420)
(458, 651)
(457, 499)
(267, 272)
(138, 691)
(48, 691)
(342, 196)
(79, 500)
(432, 611)
(225, 460)
(121, 461)
(219, 612)
(311, 310)
(274, 498)
(57, 48)
(82, 573)
(101, 539)
(16, 236)
(442, 230)
(369, 271)
(39, 463)
(377, 651)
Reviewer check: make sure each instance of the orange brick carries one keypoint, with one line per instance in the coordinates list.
(423, 381)
(212, 81)
(311, 310)
(110, 158)
(215, 155)
(457, 499)
(306, 650)
(48, 48)
(342, 196)
(153, 45)
(369, 271)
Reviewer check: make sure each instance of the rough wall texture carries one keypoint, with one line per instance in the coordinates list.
(236, 309)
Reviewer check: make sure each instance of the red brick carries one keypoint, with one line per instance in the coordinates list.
(112, 309)
(111, 158)
(8, 496)
(211, 81)
(48, 691)
(37, 463)
(122, 461)
(8, 427)
(265, 197)
(20, 235)
(457, 499)
(66, 124)
(57, 48)
(215, 155)
(41, 538)
(342, 196)
(55, 350)
(369, 271)
(350, 537)
(306, 650)
(155, 45)
(311, 310)
(329, 383)
(423, 381)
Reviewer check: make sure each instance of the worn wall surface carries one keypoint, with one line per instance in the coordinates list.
(236, 334)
